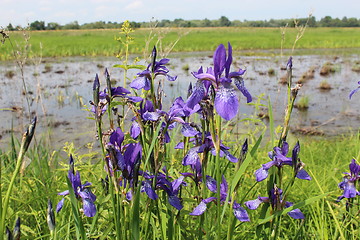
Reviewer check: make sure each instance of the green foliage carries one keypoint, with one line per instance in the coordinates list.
(303, 103)
(101, 43)
(223, 21)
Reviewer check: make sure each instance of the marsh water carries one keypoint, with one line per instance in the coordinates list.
(59, 91)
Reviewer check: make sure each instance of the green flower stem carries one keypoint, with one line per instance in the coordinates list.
(152, 91)
(108, 83)
(115, 206)
(100, 136)
(216, 141)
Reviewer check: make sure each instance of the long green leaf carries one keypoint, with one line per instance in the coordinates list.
(245, 164)
(135, 221)
(127, 67)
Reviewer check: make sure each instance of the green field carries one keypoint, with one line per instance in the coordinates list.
(102, 42)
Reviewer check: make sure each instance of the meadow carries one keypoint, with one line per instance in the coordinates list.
(101, 42)
(183, 172)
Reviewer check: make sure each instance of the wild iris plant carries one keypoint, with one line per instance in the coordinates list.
(276, 196)
(350, 193)
(144, 181)
(81, 191)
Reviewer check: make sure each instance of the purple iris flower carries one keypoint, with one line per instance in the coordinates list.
(155, 68)
(226, 102)
(101, 98)
(279, 159)
(146, 113)
(82, 191)
(239, 212)
(125, 158)
(163, 181)
(349, 181)
(205, 146)
(171, 188)
(277, 203)
(354, 91)
(175, 115)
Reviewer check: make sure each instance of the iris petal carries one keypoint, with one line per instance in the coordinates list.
(253, 204)
(140, 82)
(149, 191)
(60, 205)
(196, 96)
(226, 102)
(239, 82)
(200, 209)
(175, 202)
(240, 213)
(188, 131)
(191, 157)
(302, 174)
(89, 207)
(211, 184)
(261, 174)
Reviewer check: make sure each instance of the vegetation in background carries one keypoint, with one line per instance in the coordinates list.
(223, 21)
(101, 43)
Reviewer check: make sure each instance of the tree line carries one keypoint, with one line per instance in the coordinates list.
(179, 22)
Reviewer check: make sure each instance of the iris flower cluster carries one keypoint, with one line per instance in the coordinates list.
(277, 203)
(239, 212)
(279, 159)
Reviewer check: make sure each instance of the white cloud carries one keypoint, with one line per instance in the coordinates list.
(134, 5)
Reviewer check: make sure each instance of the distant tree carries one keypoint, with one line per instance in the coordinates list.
(312, 22)
(164, 23)
(53, 26)
(72, 25)
(224, 21)
(326, 21)
(207, 23)
(178, 22)
(135, 24)
(37, 25)
(10, 27)
(353, 22)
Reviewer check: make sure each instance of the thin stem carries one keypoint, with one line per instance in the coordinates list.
(218, 171)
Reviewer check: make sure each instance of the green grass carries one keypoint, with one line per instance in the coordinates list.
(325, 160)
(102, 43)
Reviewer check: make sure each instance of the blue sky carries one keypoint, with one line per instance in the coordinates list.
(86, 11)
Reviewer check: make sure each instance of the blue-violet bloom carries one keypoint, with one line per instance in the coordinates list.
(239, 212)
(348, 185)
(279, 159)
(155, 68)
(277, 203)
(82, 191)
(226, 102)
